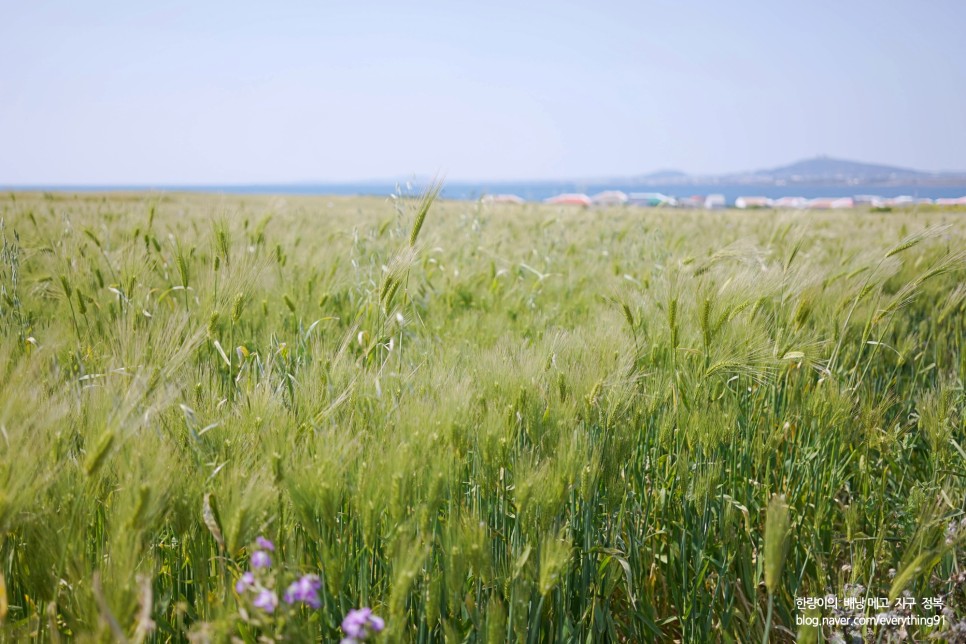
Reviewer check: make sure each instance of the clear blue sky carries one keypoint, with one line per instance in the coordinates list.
(203, 92)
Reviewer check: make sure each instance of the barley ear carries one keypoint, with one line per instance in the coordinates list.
(212, 521)
(424, 204)
(96, 458)
(672, 322)
(628, 315)
(706, 322)
(776, 541)
(914, 239)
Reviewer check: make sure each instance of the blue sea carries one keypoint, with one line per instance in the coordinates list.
(531, 191)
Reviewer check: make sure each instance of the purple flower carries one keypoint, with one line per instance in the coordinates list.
(260, 559)
(360, 623)
(245, 582)
(266, 600)
(265, 544)
(305, 590)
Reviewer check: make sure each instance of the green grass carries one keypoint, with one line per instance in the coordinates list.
(488, 423)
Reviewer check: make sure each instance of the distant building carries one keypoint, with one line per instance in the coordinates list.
(714, 202)
(899, 202)
(694, 201)
(791, 202)
(610, 198)
(906, 200)
(874, 201)
(831, 203)
(844, 202)
(651, 199)
(951, 201)
(752, 202)
(569, 199)
(514, 199)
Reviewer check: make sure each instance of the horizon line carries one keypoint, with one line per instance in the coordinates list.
(419, 177)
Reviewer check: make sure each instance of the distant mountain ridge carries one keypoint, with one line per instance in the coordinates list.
(827, 168)
(821, 170)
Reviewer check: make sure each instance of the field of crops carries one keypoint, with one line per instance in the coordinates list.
(488, 423)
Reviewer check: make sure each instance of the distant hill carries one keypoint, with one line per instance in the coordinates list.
(828, 169)
(822, 170)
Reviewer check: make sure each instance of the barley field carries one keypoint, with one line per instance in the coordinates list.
(246, 418)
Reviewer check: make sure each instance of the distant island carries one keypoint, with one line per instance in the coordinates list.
(821, 170)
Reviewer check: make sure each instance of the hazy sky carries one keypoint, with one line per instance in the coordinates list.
(204, 92)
